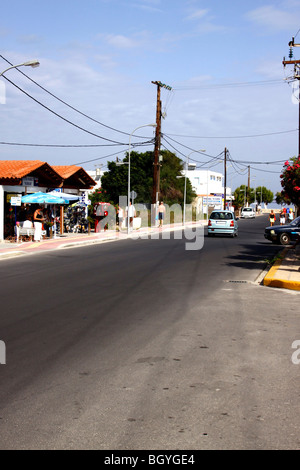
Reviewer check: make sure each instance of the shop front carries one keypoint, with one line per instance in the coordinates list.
(21, 177)
(17, 178)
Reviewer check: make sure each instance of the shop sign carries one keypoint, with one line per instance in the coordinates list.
(212, 201)
(30, 181)
(16, 201)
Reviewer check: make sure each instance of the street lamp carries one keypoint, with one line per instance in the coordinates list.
(129, 150)
(30, 63)
(186, 169)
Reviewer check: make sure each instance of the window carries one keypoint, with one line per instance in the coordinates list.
(221, 215)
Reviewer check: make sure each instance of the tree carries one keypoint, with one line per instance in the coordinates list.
(290, 181)
(259, 194)
(115, 181)
(240, 196)
(264, 195)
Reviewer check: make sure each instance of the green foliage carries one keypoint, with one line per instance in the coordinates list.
(259, 194)
(264, 195)
(115, 181)
(240, 196)
(290, 181)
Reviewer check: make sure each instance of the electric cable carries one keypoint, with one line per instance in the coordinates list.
(65, 103)
(61, 117)
(233, 137)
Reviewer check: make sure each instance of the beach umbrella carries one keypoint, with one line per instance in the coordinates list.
(43, 198)
(65, 196)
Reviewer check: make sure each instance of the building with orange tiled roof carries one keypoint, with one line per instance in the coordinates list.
(18, 177)
(74, 177)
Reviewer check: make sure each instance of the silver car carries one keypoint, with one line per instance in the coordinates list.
(222, 222)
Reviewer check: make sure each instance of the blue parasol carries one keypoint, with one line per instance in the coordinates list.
(43, 198)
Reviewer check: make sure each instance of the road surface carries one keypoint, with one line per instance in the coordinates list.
(142, 344)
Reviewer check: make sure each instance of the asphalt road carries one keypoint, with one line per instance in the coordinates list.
(142, 344)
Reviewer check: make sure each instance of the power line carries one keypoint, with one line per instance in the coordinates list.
(229, 85)
(233, 137)
(70, 145)
(67, 120)
(66, 104)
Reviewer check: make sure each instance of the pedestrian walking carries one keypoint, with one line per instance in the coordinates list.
(272, 218)
(291, 216)
(282, 218)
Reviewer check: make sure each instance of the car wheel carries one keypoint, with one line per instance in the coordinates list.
(285, 239)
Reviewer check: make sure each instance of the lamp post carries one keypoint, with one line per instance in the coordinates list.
(129, 150)
(30, 63)
(186, 169)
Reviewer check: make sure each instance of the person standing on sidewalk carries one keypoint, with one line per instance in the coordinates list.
(130, 213)
(161, 214)
(120, 217)
(38, 219)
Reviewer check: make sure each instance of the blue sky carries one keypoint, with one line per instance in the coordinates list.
(223, 60)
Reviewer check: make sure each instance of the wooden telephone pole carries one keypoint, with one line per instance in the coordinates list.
(225, 176)
(156, 164)
(296, 64)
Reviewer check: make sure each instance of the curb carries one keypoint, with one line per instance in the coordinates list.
(270, 281)
(9, 254)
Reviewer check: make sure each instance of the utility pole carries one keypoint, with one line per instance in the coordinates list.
(248, 190)
(225, 176)
(156, 169)
(296, 64)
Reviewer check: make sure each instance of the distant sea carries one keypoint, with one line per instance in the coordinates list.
(275, 206)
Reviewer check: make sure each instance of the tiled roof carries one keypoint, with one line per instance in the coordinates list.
(12, 172)
(65, 171)
(16, 169)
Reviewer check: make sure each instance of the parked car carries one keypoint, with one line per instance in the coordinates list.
(222, 222)
(284, 234)
(248, 212)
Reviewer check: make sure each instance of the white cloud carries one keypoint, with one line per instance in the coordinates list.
(196, 15)
(120, 41)
(273, 18)
(148, 5)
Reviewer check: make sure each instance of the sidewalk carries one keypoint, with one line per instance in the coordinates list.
(285, 273)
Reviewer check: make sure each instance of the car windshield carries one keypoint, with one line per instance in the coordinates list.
(296, 222)
(221, 216)
(247, 209)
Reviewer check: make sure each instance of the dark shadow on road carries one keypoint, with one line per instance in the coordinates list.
(254, 256)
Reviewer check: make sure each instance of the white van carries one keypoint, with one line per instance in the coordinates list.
(248, 212)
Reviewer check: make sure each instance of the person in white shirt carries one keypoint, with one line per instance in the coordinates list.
(131, 214)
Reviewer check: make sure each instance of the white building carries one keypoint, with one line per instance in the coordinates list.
(96, 175)
(208, 185)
